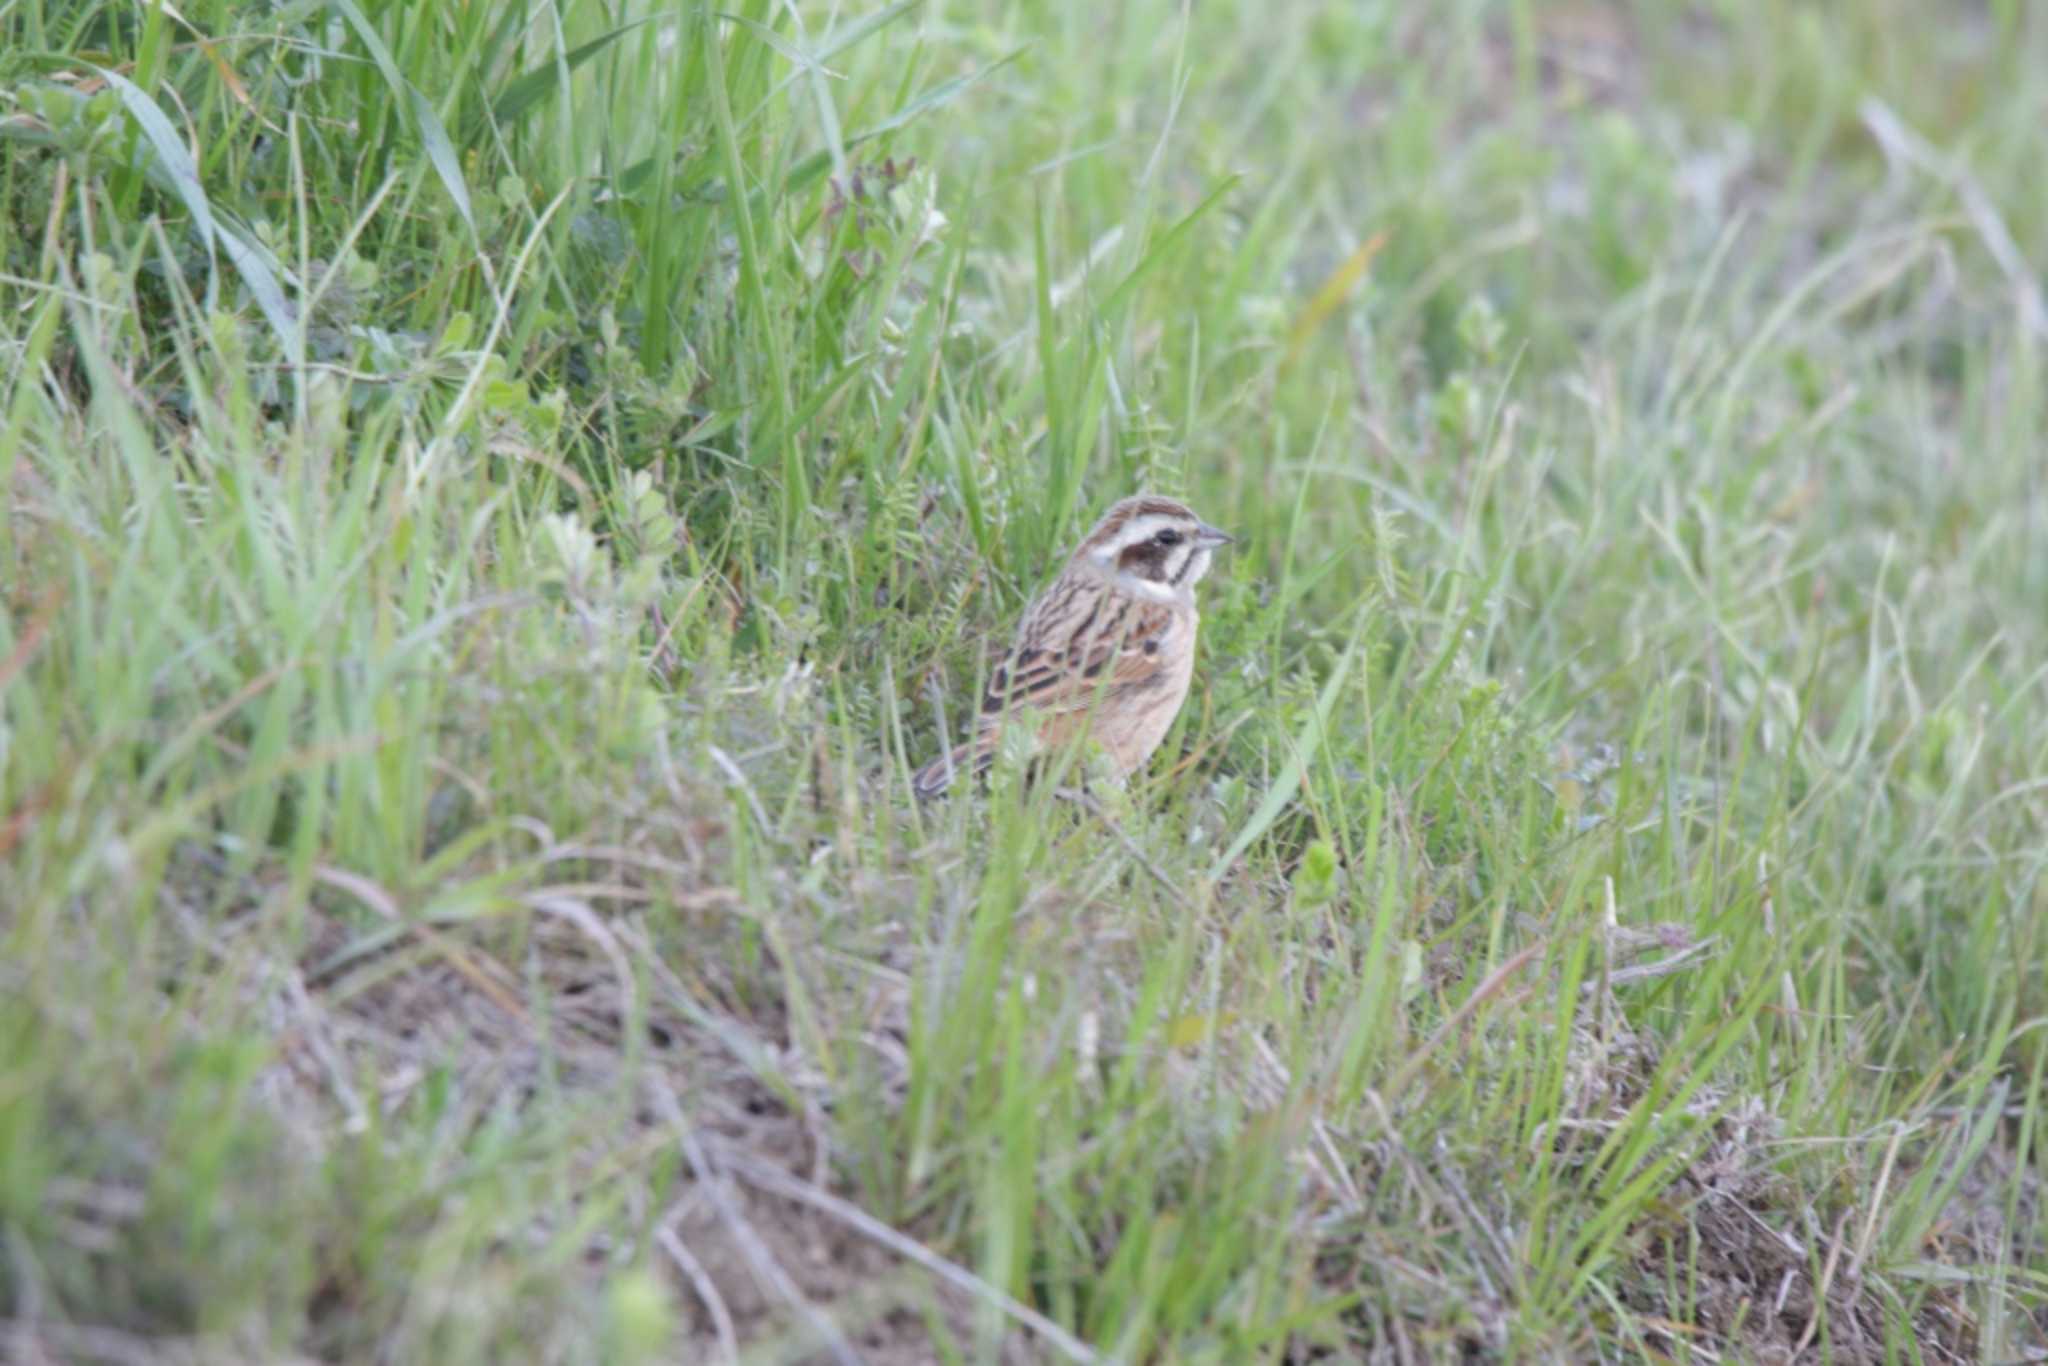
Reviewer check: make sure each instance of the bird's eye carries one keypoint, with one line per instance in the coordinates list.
(1167, 537)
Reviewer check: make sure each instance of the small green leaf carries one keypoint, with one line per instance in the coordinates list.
(1318, 864)
(641, 1316)
(1315, 878)
(455, 336)
(505, 396)
(1191, 1031)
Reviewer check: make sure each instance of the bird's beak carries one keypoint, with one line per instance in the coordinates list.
(1208, 536)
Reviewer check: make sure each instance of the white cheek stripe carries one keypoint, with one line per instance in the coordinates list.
(1146, 588)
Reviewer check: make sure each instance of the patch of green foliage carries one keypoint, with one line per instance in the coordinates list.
(500, 498)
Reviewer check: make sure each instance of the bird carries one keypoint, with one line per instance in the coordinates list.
(1108, 649)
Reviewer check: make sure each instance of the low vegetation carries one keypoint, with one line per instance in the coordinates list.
(499, 498)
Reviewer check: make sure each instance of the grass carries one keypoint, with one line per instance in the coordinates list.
(499, 499)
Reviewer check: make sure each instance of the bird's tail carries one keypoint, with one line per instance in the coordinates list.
(964, 760)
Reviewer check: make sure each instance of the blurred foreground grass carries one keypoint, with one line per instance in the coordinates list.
(499, 497)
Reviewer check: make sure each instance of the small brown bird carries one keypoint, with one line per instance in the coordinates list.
(1108, 649)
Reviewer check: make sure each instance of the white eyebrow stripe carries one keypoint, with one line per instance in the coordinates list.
(1137, 531)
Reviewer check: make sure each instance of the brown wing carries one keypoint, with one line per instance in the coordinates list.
(1069, 639)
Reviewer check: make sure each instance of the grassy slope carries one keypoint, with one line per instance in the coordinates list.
(459, 893)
